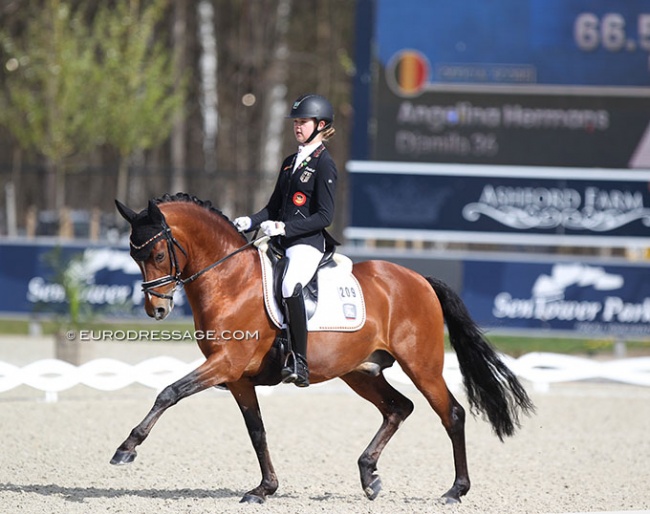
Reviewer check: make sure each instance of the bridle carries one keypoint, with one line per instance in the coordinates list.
(175, 272)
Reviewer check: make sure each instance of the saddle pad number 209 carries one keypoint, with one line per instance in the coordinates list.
(341, 305)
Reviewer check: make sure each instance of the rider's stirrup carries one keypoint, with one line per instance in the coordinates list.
(295, 370)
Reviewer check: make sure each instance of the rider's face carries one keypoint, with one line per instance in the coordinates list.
(303, 128)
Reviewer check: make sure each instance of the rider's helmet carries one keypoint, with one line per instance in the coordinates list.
(313, 106)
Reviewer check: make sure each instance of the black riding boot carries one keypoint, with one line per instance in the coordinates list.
(295, 366)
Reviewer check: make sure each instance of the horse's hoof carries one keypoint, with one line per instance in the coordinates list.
(252, 498)
(449, 500)
(373, 489)
(122, 457)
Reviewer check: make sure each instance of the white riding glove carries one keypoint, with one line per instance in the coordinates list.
(272, 228)
(243, 223)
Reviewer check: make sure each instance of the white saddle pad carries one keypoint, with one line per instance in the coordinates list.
(340, 300)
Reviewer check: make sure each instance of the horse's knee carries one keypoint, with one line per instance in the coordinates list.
(166, 398)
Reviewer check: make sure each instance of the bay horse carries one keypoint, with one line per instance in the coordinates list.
(181, 240)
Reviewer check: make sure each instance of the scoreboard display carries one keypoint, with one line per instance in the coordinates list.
(513, 82)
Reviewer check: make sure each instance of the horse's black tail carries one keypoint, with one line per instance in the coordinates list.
(492, 388)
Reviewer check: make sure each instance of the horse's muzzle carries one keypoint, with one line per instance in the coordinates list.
(160, 310)
(160, 313)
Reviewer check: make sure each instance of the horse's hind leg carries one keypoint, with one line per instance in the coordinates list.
(452, 415)
(394, 407)
(455, 426)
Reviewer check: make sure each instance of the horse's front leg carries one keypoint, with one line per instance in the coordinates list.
(198, 380)
(245, 396)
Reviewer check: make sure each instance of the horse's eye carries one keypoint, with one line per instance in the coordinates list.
(160, 256)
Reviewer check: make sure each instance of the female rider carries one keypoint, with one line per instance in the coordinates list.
(300, 208)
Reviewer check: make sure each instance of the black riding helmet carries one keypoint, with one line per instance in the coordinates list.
(313, 106)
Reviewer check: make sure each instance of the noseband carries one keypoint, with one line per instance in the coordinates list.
(175, 272)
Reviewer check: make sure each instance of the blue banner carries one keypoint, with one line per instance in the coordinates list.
(575, 296)
(582, 296)
(107, 279)
(487, 200)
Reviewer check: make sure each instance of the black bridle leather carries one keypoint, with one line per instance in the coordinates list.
(175, 272)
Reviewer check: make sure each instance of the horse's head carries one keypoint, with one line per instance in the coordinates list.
(160, 257)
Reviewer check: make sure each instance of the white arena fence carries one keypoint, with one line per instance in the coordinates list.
(540, 369)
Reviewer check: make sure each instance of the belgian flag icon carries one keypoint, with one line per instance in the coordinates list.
(410, 72)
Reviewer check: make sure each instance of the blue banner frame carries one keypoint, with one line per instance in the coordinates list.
(592, 298)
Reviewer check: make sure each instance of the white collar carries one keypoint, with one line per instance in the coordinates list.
(308, 149)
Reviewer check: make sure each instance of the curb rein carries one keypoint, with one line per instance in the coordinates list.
(172, 243)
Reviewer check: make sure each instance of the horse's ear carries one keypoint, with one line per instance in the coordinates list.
(127, 214)
(155, 214)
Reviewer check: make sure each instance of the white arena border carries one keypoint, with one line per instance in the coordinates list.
(540, 369)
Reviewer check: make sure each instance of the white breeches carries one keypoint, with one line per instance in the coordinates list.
(303, 262)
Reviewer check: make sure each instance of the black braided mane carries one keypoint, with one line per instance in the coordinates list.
(185, 197)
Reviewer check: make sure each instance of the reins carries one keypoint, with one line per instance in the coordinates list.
(166, 232)
(215, 264)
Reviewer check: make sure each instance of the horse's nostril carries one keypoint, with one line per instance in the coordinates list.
(160, 312)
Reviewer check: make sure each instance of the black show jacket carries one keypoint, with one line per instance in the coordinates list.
(303, 200)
